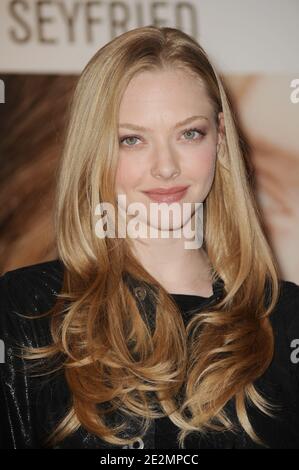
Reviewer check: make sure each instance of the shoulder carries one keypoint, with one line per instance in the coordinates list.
(286, 312)
(25, 294)
(32, 283)
(48, 269)
(28, 291)
(285, 322)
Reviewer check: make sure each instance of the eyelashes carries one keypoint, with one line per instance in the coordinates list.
(193, 129)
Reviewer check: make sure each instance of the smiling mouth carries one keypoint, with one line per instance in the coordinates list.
(170, 195)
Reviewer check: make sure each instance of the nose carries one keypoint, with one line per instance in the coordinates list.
(165, 165)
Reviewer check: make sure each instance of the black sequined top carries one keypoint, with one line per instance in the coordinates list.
(31, 407)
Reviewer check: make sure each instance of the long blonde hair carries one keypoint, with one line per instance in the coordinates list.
(109, 354)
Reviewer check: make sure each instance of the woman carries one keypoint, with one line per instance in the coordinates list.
(139, 341)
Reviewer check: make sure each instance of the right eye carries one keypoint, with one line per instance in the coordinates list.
(123, 139)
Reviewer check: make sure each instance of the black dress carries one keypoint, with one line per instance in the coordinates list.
(29, 409)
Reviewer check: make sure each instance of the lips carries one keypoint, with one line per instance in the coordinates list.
(167, 194)
(173, 190)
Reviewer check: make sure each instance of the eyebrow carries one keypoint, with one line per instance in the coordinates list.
(127, 125)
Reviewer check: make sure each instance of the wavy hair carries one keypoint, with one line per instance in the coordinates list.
(111, 361)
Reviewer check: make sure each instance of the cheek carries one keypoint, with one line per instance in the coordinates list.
(128, 175)
(200, 163)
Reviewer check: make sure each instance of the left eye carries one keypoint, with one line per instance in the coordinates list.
(194, 130)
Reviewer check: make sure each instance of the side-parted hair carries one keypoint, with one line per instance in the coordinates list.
(111, 360)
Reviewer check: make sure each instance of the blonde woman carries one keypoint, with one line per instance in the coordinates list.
(141, 342)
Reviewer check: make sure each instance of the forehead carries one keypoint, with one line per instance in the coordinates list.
(172, 87)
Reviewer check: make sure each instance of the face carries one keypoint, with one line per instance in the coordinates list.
(176, 148)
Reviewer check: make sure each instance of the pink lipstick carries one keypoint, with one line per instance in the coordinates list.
(167, 194)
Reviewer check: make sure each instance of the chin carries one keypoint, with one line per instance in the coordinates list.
(172, 227)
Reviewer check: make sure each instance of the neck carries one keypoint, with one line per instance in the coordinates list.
(178, 269)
